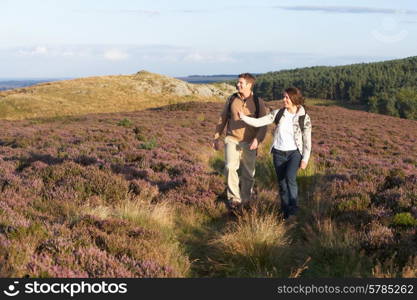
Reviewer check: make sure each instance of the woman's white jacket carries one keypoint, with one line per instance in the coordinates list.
(302, 138)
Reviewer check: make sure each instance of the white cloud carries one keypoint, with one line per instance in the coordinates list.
(122, 11)
(209, 57)
(54, 51)
(115, 55)
(348, 9)
(68, 53)
(39, 50)
(88, 60)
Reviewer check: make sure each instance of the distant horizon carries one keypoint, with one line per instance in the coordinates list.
(193, 75)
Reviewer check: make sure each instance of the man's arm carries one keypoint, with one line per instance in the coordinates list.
(221, 124)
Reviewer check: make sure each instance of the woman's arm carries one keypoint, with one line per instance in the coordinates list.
(259, 122)
(307, 139)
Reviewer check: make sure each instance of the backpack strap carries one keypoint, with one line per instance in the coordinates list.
(256, 100)
(279, 116)
(301, 119)
(280, 113)
(232, 97)
(301, 122)
(229, 110)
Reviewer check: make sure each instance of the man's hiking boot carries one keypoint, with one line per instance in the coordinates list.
(291, 220)
(235, 208)
(233, 204)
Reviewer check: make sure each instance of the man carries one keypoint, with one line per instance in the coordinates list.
(242, 141)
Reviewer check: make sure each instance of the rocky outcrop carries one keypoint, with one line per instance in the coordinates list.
(160, 84)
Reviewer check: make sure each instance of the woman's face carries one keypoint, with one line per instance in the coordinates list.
(287, 101)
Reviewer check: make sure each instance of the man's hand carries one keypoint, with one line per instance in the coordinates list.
(303, 165)
(254, 144)
(216, 145)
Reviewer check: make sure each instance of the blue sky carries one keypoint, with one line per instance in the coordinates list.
(77, 38)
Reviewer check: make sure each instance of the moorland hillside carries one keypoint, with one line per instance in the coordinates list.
(141, 194)
(104, 94)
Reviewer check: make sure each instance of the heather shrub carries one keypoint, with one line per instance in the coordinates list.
(308, 178)
(389, 268)
(143, 189)
(6, 269)
(182, 106)
(268, 198)
(70, 181)
(410, 268)
(389, 198)
(110, 240)
(85, 186)
(44, 266)
(378, 236)
(147, 269)
(139, 230)
(355, 203)
(265, 176)
(265, 173)
(11, 219)
(396, 178)
(139, 133)
(100, 264)
(334, 251)
(23, 243)
(9, 180)
(86, 160)
(216, 162)
(13, 142)
(399, 197)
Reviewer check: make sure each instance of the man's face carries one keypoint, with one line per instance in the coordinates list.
(243, 86)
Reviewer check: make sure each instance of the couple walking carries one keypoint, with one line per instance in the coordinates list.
(246, 119)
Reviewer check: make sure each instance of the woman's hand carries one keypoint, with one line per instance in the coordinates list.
(240, 113)
(303, 165)
(254, 145)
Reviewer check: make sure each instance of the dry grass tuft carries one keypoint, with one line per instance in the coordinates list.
(253, 246)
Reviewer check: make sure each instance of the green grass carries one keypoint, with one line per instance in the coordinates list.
(149, 145)
(125, 123)
(320, 102)
(404, 219)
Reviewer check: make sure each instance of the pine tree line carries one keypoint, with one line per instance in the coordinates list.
(388, 87)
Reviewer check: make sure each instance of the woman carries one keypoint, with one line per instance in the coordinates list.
(291, 147)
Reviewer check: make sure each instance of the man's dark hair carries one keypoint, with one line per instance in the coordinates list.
(249, 78)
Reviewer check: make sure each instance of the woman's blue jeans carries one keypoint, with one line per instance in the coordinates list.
(286, 164)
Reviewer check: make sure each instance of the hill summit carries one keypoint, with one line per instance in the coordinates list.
(105, 94)
(161, 84)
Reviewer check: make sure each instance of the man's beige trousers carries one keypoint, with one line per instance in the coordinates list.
(238, 157)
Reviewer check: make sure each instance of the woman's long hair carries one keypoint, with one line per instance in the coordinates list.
(295, 95)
